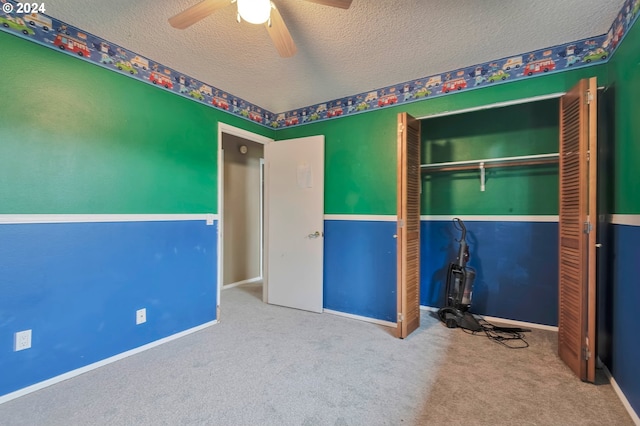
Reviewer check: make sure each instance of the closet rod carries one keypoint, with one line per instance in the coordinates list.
(522, 160)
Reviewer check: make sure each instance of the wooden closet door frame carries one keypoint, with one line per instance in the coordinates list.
(577, 233)
(408, 228)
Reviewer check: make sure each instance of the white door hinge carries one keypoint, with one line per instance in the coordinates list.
(400, 318)
(589, 97)
(587, 227)
(401, 223)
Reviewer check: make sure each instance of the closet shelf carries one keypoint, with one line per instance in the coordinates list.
(522, 160)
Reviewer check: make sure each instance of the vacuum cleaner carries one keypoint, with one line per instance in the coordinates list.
(459, 288)
(459, 291)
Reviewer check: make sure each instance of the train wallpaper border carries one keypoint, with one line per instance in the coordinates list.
(55, 34)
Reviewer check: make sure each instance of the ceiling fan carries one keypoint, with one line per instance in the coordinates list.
(255, 12)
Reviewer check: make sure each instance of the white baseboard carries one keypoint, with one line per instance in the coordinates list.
(86, 368)
(503, 320)
(618, 391)
(432, 309)
(361, 318)
(236, 284)
(520, 323)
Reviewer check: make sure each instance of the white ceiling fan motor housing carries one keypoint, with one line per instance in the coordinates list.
(254, 11)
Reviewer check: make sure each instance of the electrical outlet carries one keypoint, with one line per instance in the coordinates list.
(141, 316)
(22, 340)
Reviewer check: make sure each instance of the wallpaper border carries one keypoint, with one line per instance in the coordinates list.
(55, 34)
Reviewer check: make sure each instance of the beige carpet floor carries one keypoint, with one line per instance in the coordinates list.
(268, 365)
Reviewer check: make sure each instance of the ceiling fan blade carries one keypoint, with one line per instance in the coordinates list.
(343, 4)
(280, 35)
(197, 12)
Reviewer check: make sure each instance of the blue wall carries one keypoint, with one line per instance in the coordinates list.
(78, 286)
(516, 267)
(625, 294)
(360, 268)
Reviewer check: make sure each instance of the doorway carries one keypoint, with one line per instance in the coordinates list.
(242, 227)
(299, 161)
(240, 204)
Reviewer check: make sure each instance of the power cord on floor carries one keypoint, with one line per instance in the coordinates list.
(511, 337)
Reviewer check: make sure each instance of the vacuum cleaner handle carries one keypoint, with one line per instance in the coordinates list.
(463, 228)
(463, 251)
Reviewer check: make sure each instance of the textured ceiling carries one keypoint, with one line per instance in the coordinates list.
(373, 44)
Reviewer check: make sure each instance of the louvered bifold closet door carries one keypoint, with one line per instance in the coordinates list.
(576, 298)
(408, 231)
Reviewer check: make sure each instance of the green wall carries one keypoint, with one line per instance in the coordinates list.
(79, 139)
(360, 154)
(360, 150)
(524, 129)
(624, 75)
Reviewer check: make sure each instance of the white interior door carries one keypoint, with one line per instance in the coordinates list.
(295, 222)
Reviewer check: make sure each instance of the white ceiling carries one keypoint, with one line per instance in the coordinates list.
(375, 43)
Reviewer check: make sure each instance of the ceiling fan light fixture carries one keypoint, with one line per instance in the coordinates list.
(254, 11)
